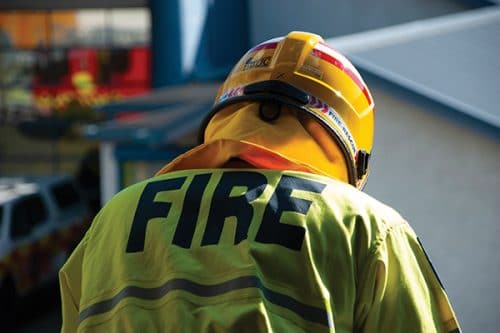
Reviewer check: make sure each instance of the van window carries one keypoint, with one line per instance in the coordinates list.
(27, 213)
(65, 195)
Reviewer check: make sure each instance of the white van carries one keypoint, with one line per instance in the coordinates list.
(42, 219)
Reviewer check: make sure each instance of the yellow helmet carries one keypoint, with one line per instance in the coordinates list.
(303, 72)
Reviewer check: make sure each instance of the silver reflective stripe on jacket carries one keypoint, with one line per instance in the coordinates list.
(310, 313)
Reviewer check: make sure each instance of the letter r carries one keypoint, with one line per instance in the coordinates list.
(272, 230)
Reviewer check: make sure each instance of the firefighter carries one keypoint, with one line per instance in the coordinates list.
(263, 227)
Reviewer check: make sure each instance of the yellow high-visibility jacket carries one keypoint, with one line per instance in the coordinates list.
(250, 250)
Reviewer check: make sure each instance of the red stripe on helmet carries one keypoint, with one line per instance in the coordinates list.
(264, 46)
(338, 63)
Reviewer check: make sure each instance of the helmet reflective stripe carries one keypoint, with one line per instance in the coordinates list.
(270, 44)
(336, 118)
(238, 91)
(326, 53)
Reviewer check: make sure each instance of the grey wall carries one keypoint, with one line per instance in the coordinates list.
(442, 175)
(328, 18)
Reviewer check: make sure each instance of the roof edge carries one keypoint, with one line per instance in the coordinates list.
(364, 41)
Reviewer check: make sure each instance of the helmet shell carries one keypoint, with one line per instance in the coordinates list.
(336, 94)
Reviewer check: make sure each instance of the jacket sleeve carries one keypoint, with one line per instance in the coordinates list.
(399, 290)
(70, 287)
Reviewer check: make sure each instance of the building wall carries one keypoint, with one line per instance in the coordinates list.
(269, 19)
(442, 175)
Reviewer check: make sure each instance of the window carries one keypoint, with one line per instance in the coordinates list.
(65, 195)
(28, 213)
(16, 72)
(51, 66)
(50, 58)
(129, 27)
(23, 29)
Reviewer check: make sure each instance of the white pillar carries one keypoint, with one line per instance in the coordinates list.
(109, 171)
